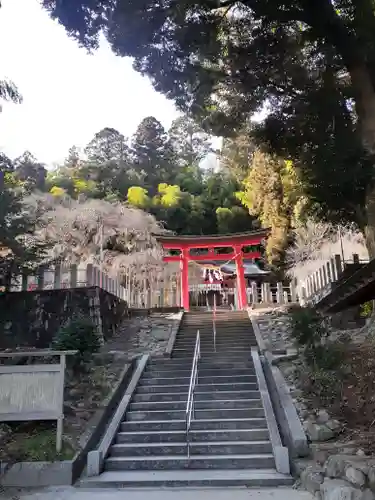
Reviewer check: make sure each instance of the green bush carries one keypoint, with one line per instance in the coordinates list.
(310, 334)
(79, 334)
(307, 327)
(366, 309)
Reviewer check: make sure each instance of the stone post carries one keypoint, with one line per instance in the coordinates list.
(40, 278)
(333, 270)
(318, 280)
(328, 272)
(57, 277)
(293, 290)
(89, 275)
(267, 293)
(254, 292)
(280, 293)
(322, 277)
(24, 281)
(338, 265)
(73, 276)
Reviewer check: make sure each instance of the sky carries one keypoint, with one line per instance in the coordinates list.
(68, 95)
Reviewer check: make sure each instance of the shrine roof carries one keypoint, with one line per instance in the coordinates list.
(213, 239)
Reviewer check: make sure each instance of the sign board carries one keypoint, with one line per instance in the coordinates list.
(33, 392)
(205, 287)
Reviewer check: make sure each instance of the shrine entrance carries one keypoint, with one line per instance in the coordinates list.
(213, 254)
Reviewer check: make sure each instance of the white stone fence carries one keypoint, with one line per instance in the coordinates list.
(319, 284)
(148, 291)
(68, 276)
(263, 294)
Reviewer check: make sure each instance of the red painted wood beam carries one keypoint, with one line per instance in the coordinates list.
(209, 244)
(222, 257)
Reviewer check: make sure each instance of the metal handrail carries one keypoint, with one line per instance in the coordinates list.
(190, 409)
(214, 321)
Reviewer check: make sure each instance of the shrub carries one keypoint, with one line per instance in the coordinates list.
(327, 356)
(322, 386)
(366, 309)
(307, 327)
(79, 334)
(310, 333)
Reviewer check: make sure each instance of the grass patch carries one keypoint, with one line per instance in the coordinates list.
(36, 445)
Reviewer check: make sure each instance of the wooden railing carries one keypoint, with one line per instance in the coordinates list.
(320, 283)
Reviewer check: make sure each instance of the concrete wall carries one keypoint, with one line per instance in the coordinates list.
(290, 427)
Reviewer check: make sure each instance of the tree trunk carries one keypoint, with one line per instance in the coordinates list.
(369, 232)
(365, 106)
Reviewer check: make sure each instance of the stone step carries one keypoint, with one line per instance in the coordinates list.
(238, 386)
(208, 414)
(222, 332)
(209, 354)
(199, 396)
(219, 360)
(217, 478)
(220, 318)
(206, 425)
(238, 354)
(210, 346)
(175, 462)
(203, 372)
(227, 331)
(199, 405)
(210, 342)
(218, 356)
(196, 448)
(196, 435)
(202, 379)
(220, 347)
(179, 364)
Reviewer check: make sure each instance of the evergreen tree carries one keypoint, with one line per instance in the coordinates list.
(152, 155)
(18, 249)
(30, 171)
(189, 141)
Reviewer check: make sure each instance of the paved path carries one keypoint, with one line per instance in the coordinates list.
(70, 493)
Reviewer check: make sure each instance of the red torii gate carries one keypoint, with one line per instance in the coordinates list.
(211, 245)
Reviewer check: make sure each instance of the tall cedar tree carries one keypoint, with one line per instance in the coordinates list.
(229, 58)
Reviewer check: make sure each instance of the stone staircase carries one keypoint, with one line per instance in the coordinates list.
(230, 442)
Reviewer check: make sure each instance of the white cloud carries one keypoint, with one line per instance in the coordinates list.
(68, 94)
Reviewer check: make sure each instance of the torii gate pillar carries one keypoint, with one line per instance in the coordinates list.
(241, 283)
(184, 266)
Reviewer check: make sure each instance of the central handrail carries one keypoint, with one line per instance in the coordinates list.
(214, 321)
(193, 382)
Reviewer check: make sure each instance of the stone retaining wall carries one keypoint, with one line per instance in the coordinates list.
(32, 318)
(336, 468)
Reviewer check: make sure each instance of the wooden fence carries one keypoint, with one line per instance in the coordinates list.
(319, 284)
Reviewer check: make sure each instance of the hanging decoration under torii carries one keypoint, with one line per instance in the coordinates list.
(212, 274)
